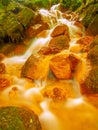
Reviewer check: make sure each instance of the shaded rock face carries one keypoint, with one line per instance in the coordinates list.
(74, 61)
(85, 43)
(93, 27)
(15, 118)
(92, 55)
(91, 82)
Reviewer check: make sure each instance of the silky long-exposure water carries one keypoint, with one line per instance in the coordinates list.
(71, 113)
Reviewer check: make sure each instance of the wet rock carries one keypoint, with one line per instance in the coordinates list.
(85, 43)
(60, 66)
(2, 68)
(59, 43)
(93, 55)
(36, 29)
(93, 28)
(56, 45)
(45, 51)
(2, 56)
(4, 83)
(58, 90)
(73, 62)
(90, 83)
(36, 67)
(60, 30)
(94, 42)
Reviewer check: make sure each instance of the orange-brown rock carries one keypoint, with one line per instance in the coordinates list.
(36, 67)
(2, 68)
(60, 66)
(4, 83)
(73, 62)
(85, 42)
(93, 27)
(45, 51)
(56, 45)
(36, 29)
(59, 43)
(60, 30)
(2, 56)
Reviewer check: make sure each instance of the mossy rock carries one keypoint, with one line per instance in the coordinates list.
(14, 20)
(93, 27)
(93, 55)
(16, 118)
(91, 82)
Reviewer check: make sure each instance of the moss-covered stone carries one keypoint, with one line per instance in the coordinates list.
(15, 18)
(91, 82)
(15, 118)
(93, 55)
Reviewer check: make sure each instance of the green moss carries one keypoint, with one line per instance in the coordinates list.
(75, 4)
(25, 16)
(66, 3)
(15, 118)
(89, 14)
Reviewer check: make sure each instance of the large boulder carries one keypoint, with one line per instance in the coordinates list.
(61, 29)
(59, 43)
(36, 67)
(16, 118)
(14, 20)
(60, 66)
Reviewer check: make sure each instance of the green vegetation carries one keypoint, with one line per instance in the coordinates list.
(72, 4)
(15, 118)
(14, 19)
(17, 15)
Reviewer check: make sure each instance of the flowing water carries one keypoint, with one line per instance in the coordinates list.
(53, 115)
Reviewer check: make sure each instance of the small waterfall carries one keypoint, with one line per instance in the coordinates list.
(76, 87)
